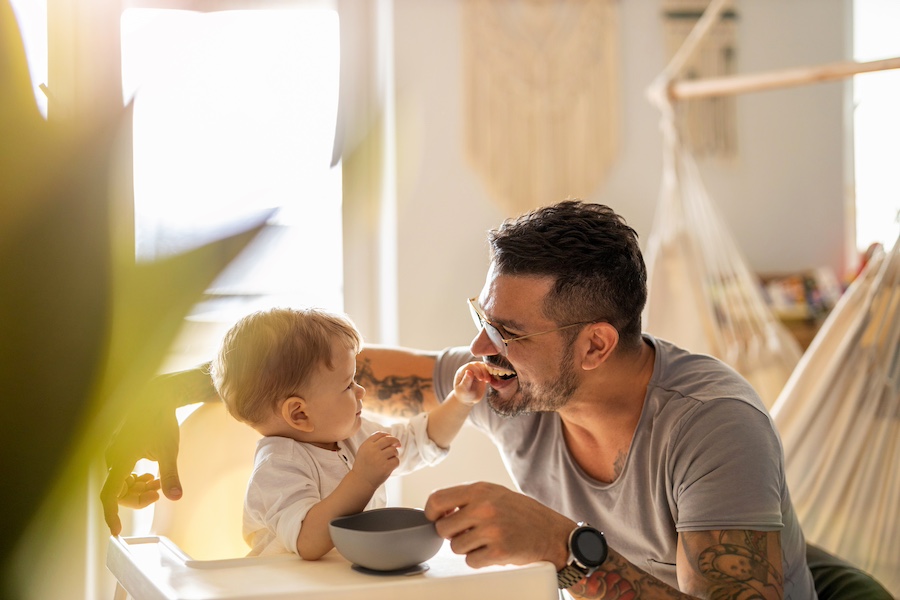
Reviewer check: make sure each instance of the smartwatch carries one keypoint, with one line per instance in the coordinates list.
(587, 551)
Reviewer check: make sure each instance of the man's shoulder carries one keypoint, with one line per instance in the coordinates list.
(699, 377)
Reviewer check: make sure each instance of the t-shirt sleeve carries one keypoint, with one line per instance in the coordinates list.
(727, 469)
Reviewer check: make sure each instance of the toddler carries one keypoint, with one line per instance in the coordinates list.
(289, 374)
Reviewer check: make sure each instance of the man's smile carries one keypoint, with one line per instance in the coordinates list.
(500, 372)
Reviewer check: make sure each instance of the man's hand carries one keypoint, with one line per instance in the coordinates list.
(151, 431)
(153, 435)
(493, 525)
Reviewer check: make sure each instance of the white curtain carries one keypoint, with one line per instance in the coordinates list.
(363, 81)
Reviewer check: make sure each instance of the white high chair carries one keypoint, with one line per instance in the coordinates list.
(197, 551)
(215, 458)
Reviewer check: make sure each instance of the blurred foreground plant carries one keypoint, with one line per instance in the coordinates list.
(82, 325)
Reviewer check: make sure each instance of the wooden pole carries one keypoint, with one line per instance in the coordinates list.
(758, 82)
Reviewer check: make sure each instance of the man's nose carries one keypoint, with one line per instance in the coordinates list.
(482, 345)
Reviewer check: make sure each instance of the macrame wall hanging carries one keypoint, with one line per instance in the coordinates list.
(541, 97)
(707, 126)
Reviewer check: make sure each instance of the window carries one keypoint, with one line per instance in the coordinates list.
(234, 114)
(32, 18)
(876, 124)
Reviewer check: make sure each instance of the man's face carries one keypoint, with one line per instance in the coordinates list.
(545, 375)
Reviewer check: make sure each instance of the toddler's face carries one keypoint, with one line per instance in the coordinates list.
(335, 399)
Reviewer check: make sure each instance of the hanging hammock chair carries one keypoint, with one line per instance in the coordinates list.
(839, 418)
(838, 410)
(702, 295)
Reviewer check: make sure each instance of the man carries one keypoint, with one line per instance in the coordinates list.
(671, 455)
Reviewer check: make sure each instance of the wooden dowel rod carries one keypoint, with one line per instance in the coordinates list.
(758, 82)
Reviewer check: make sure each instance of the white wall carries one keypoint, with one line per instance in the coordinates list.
(783, 195)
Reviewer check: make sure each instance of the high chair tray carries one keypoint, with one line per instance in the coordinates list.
(153, 568)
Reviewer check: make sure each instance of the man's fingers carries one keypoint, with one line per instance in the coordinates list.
(445, 501)
(109, 496)
(168, 476)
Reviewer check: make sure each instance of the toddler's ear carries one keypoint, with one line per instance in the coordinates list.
(293, 410)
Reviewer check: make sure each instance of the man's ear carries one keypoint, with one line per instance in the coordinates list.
(294, 411)
(602, 341)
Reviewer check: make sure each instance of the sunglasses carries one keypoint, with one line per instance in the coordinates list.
(493, 332)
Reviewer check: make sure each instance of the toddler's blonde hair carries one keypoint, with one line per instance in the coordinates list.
(270, 355)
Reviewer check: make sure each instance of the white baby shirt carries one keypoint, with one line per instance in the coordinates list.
(290, 477)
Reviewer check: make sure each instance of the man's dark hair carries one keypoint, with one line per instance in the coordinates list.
(593, 255)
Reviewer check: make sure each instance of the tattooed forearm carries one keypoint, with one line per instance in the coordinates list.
(723, 565)
(392, 395)
(618, 579)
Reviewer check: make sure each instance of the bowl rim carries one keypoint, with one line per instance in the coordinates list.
(339, 522)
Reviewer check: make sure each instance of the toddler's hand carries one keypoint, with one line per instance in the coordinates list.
(377, 458)
(471, 382)
(139, 491)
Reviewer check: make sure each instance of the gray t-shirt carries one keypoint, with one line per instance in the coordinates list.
(705, 456)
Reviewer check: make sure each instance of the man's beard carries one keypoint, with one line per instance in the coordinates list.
(538, 397)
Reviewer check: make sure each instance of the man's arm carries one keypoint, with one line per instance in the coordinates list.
(493, 525)
(731, 564)
(710, 564)
(399, 382)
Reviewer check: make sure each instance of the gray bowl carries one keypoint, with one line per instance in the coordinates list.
(386, 539)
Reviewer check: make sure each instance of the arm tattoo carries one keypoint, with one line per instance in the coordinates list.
(619, 464)
(392, 396)
(732, 566)
(618, 579)
(738, 566)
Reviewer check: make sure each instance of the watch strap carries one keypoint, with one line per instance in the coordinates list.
(569, 576)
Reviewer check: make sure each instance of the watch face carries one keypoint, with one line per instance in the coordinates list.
(589, 547)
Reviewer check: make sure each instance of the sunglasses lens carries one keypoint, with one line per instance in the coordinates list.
(495, 338)
(491, 331)
(476, 318)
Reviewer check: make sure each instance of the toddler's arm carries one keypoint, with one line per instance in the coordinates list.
(375, 461)
(469, 385)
